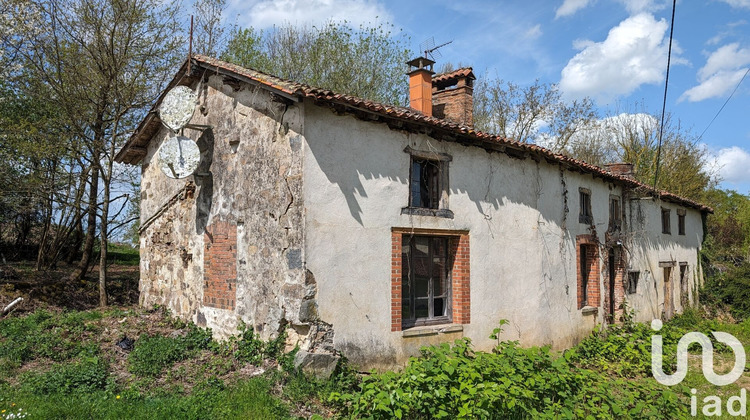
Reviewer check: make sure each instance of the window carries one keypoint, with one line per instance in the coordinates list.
(615, 213)
(680, 222)
(585, 215)
(428, 184)
(633, 281)
(665, 225)
(426, 285)
(425, 184)
(430, 277)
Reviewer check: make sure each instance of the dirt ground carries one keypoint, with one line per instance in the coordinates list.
(52, 288)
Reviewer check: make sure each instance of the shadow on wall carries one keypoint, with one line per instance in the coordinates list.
(204, 179)
(358, 150)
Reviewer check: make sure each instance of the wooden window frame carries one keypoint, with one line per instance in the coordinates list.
(633, 278)
(680, 222)
(615, 214)
(585, 215)
(666, 221)
(439, 208)
(408, 287)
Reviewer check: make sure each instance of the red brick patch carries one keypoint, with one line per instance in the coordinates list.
(220, 265)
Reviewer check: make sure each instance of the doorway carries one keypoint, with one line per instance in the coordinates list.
(668, 296)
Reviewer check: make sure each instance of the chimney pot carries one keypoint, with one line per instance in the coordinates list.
(420, 84)
(453, 96)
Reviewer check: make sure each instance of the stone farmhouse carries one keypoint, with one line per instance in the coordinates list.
(369, 230)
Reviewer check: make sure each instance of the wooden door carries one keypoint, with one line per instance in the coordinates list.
(668, 294)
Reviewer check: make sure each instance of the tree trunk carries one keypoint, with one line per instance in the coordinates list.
(41, 260)
(88, 247)
(104, 240)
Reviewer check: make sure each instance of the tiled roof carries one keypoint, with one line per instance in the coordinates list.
(135, 148)
(446, 78)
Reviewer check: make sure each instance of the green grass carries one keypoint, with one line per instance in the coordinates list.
(122, 255)
(248, 399)
(65, 365)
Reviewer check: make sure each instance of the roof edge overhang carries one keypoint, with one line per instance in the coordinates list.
(395, 117)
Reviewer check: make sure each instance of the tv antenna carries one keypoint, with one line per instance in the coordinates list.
(430, 50)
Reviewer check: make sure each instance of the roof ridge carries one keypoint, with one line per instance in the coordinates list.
(302, 90)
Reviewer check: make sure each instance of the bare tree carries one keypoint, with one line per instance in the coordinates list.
(103, 62)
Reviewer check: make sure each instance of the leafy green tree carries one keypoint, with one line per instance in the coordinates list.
(101, 64)
(367, 62)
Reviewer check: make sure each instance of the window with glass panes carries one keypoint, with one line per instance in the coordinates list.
(426, 284)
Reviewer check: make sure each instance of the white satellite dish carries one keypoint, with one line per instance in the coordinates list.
(179, 157)
(177, 107)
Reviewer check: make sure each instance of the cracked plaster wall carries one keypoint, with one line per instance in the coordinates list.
(250, 178)
(522, 219)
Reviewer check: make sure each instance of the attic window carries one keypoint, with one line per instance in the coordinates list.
(428, 184)
(585, 215)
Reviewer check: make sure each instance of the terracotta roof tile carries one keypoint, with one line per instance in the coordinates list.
(462, 72)
(132, 152)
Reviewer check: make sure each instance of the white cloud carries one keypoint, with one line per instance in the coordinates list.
(262, 14)
(634, 53)
(738, 3)
(733, 164)
(534, 32)
(723, 70)
(637, 6)
(570, 7)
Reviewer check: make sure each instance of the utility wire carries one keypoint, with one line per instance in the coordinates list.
(664, 104)
(725, 104)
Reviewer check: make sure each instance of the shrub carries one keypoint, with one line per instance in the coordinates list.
(253, 350)
(512, 382)
(42, 334)
(85, 375)
(730, 288)
(151, 355)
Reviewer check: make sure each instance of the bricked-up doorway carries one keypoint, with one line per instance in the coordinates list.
(587, 267)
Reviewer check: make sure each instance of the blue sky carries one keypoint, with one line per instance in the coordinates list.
(613, 51)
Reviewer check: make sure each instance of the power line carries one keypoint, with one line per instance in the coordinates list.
(664, 104)
(725, 104)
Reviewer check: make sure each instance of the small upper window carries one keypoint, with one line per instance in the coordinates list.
(425, 184)
(633, 281)
(428, 184)
(680, 222)
(665, 222)
(585, 215)
(615, 213)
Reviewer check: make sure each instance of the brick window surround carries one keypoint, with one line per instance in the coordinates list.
(459, 256)
(587, 276)
(220, 265)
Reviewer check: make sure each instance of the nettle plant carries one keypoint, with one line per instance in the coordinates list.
(454, 381)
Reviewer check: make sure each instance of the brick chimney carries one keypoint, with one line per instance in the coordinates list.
(621, 169)
(452, 96)
(420, 84)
